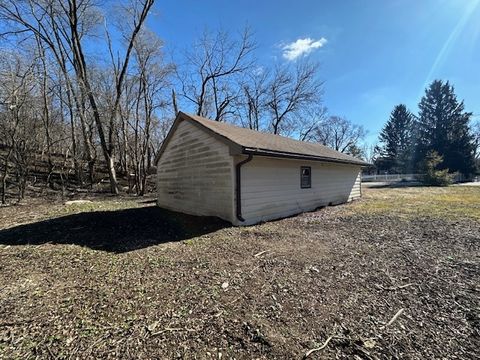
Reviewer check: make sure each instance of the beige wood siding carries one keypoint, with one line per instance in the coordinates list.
(271, 187)
(194, 174)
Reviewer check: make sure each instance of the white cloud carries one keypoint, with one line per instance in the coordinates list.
(302, 47)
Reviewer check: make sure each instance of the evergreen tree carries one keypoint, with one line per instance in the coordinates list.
(443, 126)
(433, 176)
(396, 138)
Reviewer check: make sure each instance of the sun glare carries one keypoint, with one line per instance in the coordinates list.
(470, 9)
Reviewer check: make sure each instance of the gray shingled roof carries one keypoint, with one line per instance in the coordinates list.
(256, 142)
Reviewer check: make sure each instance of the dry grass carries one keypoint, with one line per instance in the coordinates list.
(454, 202)
(132, 281)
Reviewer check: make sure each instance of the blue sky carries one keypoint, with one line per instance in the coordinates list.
(373, 54)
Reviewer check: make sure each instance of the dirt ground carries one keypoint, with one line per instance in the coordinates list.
(395, 275)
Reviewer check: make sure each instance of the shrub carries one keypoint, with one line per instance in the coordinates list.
(433, 175)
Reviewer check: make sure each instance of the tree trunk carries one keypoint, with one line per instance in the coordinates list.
(5, 176)
(73, 136)
(112, 174)
(174, 102)
(91, 172)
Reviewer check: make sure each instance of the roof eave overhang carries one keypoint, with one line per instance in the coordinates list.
(287, 155)
(236, 149)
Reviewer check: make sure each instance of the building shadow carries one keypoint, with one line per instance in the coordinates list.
(114, 231)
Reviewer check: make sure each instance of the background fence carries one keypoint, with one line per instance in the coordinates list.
(411, 177)
(392, 177)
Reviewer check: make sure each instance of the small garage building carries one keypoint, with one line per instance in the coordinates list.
(210, 168)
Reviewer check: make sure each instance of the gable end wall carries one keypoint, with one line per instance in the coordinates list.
(194, 174)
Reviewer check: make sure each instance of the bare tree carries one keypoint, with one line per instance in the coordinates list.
(68, 114)
(476, 136)
(140, 11)
(252, 103)
(309, 120)
(339, 133)
(210, 78)
(370, 152)
(289, 92)
(152, 80)
(17, 81)
(46, 105)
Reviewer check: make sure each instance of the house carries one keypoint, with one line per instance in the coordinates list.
(210, 168)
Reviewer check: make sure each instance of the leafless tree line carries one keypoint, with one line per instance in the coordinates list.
(221, 78)
(58, 100)
(85, 89)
